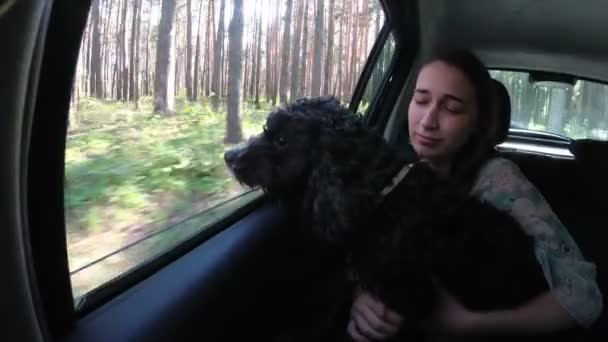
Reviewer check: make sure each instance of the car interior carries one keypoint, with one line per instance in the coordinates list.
(252, 276)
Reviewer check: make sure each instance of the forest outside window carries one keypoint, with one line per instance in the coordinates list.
(163, 88)
(576, 111)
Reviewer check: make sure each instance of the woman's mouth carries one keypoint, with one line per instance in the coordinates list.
(426, 140)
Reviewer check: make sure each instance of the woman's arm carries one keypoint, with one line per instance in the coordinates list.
(542, 314)
(574, 295)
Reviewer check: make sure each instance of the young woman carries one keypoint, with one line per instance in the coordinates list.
(452, 119)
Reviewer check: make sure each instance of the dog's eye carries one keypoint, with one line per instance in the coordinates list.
(280, 141)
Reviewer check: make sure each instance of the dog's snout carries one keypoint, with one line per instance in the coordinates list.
(230, 156)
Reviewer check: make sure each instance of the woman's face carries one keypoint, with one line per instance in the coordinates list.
(442, 114)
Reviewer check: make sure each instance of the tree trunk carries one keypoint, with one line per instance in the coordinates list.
(95, 76)
(302, 79)
(342, 53)
(210, 46)
(177, 50)
(199, 82)
(276, 56)
(345, 46)
(317, 64)
(84, 58)
(330, 50)
(295, 53)
(223, 75)
(74, 99)
(146, 81)
(254, 55)
(353, 49)
(595, 103)
(216, 83)
(116, 85)
(197, 52)
(188, 67)
(137, 66)
(258, 64)
(134, 53)
(164, 92)
(269, 58)
(557, 110)
(124, 74)
(365, 20)
(284, 81)
(116, 62)
(106, 52)
(246, 73)
(234, 131)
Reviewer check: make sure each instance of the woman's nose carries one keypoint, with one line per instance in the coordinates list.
(430, 120)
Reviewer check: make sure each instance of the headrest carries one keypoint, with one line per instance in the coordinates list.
(590, 151)
(503, 120)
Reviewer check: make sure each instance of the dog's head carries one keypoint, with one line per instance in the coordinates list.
(319, 154)
(281, 158)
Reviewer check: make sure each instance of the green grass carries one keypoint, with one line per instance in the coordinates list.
(130, 173)
(119, 161)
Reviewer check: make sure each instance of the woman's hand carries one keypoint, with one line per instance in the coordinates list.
(371, 320)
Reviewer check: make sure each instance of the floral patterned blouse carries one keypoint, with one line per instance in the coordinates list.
(570, 277)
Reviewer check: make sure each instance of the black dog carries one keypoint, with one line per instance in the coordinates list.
(398, 236)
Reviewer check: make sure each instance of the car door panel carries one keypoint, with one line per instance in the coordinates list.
(221, 289)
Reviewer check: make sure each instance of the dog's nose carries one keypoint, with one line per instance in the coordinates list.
(230, 156)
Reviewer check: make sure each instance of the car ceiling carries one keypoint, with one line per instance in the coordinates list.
(552, 35)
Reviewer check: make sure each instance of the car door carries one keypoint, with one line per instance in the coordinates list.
(242, 271)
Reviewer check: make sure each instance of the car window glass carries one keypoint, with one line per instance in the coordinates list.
(150, 113)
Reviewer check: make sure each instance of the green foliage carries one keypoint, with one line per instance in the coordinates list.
(124, 163)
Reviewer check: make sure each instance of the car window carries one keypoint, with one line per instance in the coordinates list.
(162, 89)
(577, 112)
(380, 70)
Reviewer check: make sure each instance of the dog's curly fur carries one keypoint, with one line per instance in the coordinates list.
(321, 158)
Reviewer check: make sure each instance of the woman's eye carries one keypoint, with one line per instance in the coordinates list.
(454, 108)
(421, 101)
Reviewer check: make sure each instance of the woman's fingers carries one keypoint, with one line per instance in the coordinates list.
(365, 328)
(371, 319)
(381, 310)
(354, 333)
(392, 317)
(379, 324)
(374, 304)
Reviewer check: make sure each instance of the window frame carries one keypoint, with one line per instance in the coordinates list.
(370, 65)
(45, 166)
(45, 172)
(407, 45)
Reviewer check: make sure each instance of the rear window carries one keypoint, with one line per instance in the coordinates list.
(578, 111)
